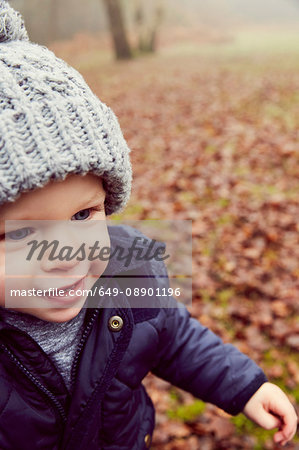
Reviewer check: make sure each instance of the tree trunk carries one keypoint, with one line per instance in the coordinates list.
(117, 28)
(147, 25)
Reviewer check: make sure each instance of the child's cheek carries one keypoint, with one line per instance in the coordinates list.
(99, 256)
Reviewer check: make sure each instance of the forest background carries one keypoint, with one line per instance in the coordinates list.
(211, 113)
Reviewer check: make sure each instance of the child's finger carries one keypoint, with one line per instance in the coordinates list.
(279, 438)
(288, 423)
(268, 420)
(287, 430)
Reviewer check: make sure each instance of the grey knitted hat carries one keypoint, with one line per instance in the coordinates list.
(51, 124)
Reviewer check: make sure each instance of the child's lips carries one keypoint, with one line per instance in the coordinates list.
(69, 286)
(78, 286)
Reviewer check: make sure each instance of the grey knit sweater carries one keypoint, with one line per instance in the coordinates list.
(58, 340)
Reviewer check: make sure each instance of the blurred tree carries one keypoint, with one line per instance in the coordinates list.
(146, 27)
(117, 28)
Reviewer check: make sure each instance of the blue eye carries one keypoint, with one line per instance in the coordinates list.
(17, 235)
(81, 215)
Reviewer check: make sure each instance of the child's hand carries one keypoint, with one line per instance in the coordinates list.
(270, 408)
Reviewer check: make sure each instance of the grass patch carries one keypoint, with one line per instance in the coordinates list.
(186, 413)
(245, 426)
(225, 219)
(223, 202)
(255, 40)
(224, 295)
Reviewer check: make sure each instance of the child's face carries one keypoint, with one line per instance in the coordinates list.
(57, 201)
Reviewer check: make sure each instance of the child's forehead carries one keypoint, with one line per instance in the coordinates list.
(55, 199)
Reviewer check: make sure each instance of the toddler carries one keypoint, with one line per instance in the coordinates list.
(71, 369)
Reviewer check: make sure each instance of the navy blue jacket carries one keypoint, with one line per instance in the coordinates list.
(109, 407)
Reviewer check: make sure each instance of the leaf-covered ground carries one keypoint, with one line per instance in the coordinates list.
(214, 136)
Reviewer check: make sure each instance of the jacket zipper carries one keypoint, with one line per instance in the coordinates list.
(80, 347)
(35, 381)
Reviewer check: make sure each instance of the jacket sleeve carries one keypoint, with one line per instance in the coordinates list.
(193, 358)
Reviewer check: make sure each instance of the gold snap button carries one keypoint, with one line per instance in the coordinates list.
(115, 323)
(147, 440)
